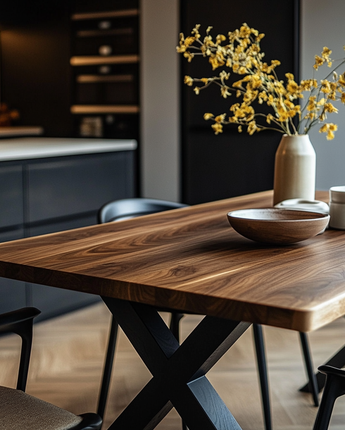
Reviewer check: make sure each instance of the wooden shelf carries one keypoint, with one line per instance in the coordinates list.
(107, 14)
(87, 79)
(113, 59)
(101, 33)
(91, 109)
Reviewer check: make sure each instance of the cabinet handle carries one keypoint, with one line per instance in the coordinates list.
(105, 50)
(104, 70)
(104, 25)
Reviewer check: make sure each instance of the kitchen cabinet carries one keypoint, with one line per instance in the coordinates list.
(72, 66)
(57, 188)
(11, 197)
(55, 185)
(11, 227)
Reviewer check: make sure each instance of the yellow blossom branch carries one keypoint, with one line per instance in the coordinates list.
(240, 53)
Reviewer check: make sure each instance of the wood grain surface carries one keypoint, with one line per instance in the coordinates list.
(191, 260)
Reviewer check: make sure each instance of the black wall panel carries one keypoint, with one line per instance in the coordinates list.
(231, 164)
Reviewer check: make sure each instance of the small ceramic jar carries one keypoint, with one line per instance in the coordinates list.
(337, 207)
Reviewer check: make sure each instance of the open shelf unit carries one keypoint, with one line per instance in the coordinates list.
(105, 70)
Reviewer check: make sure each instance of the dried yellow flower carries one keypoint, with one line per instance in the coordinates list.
(188, 81)
(329, 129)
(252, 128)
(330, 108)
(318, 62)
(241, 54)
(341, 80)
(225, 92)
(220, 118)
(218, 128)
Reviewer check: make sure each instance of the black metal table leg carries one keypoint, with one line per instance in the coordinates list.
(262, 368)
(178, 371)
(313, 387)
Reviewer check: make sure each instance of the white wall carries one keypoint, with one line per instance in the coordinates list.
(323, 25)
(160, 159)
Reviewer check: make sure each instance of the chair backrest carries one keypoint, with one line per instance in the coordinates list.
(120, 210)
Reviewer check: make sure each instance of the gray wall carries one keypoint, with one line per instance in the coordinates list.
(323, 25)
(160, 157)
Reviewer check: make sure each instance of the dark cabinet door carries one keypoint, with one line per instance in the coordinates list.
(231, 163)
(80, 185)
(12, 293)
(11, 196)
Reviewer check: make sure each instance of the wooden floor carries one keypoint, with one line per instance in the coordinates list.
(68, 356)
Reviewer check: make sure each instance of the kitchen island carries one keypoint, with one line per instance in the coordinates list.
(53, 184)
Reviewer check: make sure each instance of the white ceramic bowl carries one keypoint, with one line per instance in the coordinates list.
(277, 226)
(304, 205)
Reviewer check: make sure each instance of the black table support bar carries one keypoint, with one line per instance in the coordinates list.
(178, 370)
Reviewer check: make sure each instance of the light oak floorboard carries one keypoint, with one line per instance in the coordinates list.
(68, 354)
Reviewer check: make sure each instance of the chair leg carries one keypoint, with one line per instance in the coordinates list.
(20, 322)
(107, 368)
(175, 324)
(26, 335)
(313, 386)
(330, 394)
(334, 388)
(262, 368)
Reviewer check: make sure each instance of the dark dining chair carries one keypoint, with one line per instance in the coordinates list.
(19, 410)
(119, 210)
(334, 388)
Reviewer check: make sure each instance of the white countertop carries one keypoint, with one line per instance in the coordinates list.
(41, 147)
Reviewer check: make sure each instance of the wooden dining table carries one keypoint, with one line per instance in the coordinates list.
(188, 260)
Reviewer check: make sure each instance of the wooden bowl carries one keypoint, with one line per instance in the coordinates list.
(277, 226)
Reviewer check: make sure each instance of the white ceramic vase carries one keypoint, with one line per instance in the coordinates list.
(294, 169)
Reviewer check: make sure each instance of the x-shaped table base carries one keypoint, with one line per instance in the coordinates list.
(178, 371)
